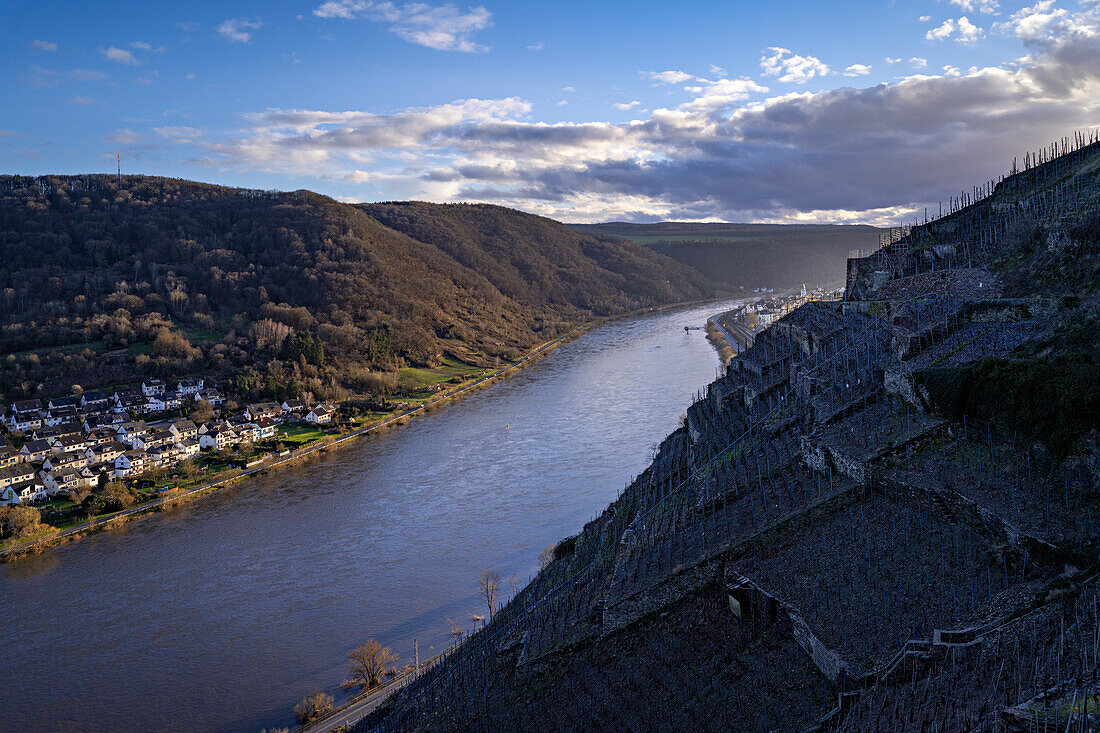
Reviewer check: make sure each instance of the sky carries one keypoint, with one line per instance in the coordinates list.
(845, 111)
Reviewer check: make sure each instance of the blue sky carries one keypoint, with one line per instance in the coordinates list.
(783, 111)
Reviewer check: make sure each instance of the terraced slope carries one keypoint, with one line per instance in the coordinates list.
(883, 517)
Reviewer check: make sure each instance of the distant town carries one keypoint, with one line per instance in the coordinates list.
(61, 447)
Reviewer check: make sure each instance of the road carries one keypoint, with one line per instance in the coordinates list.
(737, 335)
(365, 704)
(292, 456)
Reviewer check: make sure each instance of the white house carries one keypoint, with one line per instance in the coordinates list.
(94, 399)
(29, 491)
(189, 386)
(57, 403)
(187, 449)
(211, 396)
(35, 451)
(130, 462)
(56, 461)
(8, 496)
(9, 457)
(217, 439)
(25, 419)
(63, 481)
(319, 415)
(16, 474)
(152, 387)
(263, 409)
(184, 429)
(69, 443)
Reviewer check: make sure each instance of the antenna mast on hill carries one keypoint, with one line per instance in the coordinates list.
(119, 161)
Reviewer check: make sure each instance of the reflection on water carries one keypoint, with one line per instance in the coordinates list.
(223, 613)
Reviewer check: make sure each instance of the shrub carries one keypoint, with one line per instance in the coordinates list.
(313, 707)
(18, 521)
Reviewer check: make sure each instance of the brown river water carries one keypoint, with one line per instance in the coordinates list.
(220, 615)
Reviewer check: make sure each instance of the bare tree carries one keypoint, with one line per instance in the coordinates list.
(489, 583)
(314, 707)
(368, 664)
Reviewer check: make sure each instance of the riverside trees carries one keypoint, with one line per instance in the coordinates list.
(368, 664)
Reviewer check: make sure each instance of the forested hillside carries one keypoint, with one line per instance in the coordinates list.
(105, 282)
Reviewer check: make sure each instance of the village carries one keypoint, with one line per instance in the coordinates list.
(68, 445)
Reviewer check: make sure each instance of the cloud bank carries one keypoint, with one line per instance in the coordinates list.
(727, 151)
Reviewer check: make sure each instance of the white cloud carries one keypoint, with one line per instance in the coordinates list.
(718, 70)
(125, 136)
(918, 62)
(43, 45)
(925, 18)
(179, 134)
(989, 7)
(239, 30)
(540, 46)
(791, 67)
(83, 101)
(845, 154)
(627, 105)
(857, 70)
(442, 27)
(120, 56)
(962, 30)
(87, 75)
(890, 60)
(668, 77)
(1044, 21)
(40, 78)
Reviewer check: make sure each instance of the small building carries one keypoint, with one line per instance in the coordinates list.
(57, 403)
(320, 415)
(56, 461)
(211, 396)
(62, 481)
(16, 474)
(29, 491)
(263, 409)
(184, 429)
(152, 387)
(130, 462)
(186, 449)
(265, 428)
(96, 398)
(35, 451)
(69, 444)
(188, 387)
(9, 456)
(217, 439)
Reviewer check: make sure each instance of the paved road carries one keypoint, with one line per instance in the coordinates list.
(738, 336)
(361, 707)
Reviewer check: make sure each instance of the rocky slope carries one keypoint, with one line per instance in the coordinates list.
(874, 521)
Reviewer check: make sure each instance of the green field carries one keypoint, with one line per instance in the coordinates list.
(413, 378)
(299, 434)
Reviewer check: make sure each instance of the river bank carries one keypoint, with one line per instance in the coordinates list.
(220, 614)
(177, 497)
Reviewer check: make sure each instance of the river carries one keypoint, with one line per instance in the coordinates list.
(220, 615)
